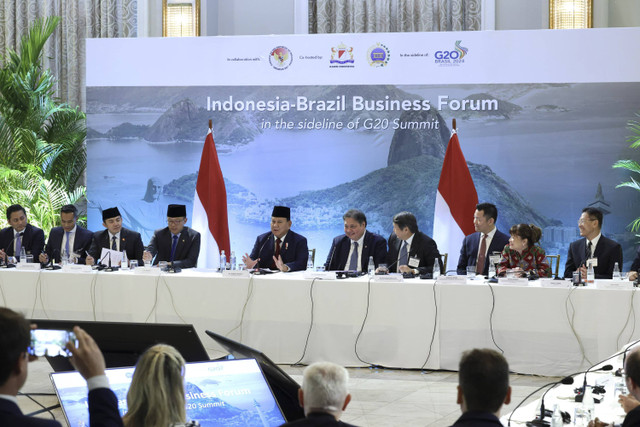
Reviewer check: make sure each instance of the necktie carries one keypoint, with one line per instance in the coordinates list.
(276, 253)
(18, 245)
(114, 244)
(482, 255)
(404, 256)
(589, 253)
(353, 262)
(66, 245)
(173, 247)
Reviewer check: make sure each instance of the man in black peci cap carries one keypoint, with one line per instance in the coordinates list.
(280, 248)
(175, 243)
(116, 238)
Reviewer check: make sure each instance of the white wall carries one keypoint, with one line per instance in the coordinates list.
(254, 17)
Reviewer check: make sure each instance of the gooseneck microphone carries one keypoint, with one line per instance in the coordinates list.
(566, 380)
(333, 252)
(258, 258)
(580, 394)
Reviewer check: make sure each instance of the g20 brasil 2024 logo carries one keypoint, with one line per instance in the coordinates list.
(280, 58)
(451, 57)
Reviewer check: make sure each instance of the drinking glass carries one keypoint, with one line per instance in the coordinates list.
(471, 272)
(133, 264)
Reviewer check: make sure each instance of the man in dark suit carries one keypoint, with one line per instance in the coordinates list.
(116, 238)
(486, 237)
(483, 387)
(352, 251)
(323, 396)
(20, 234)
(593, 248)
(176, 243)
(410, 250)
(70, 239)
(14, 360)
(281, 248)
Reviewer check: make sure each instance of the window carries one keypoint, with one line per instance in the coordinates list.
(180, 18)
(565, 14)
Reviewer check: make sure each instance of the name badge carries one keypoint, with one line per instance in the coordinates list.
(414, 262)
(593, 262)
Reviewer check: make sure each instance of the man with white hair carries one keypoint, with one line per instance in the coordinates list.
(323, 395)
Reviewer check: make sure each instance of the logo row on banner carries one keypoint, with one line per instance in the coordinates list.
(378, 55)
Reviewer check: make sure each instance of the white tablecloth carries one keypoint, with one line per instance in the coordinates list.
(532, 325)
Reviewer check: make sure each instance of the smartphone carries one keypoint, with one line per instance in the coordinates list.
(50, 342)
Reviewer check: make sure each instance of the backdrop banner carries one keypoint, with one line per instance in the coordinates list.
(325, 123)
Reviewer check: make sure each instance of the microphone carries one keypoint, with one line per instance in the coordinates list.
(13, 240)
(50, 265)
(580, 394)
(260, 250)
(328, 268)
(565, 380)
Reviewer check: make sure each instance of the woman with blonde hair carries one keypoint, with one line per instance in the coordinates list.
(156, 395)
(522, 254)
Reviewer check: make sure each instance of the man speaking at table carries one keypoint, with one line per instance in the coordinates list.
(594, 248)
(410, 250)
(352, 251)
(281, 248)
(478, 247)
(20, 235)
(175, 243)
(116, 238)
(70, 239)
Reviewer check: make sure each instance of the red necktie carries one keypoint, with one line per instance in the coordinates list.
(276, 253)
(481, 255)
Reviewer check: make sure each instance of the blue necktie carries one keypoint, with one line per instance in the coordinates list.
(114, 244)
(353, 262)
(66, 245)
(173, 246)
(18, 246)
(404, 256)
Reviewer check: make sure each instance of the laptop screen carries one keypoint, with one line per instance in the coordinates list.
(218, 393)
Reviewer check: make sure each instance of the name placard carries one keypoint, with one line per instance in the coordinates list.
(451, 280)
(77, 267)
(614, 284)
(326, 275)
(552, 283)
(393, 277)
(235, 273)
(28, 266)
(519, 281)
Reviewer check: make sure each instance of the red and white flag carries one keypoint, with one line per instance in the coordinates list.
(210, 208)
(456, 202)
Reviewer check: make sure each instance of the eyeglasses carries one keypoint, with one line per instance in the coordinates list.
(175, 221)
(582, 221)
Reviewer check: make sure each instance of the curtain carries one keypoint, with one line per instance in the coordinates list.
(371, 16)
(64, 52)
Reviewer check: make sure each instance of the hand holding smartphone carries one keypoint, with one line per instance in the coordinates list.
(50, 342)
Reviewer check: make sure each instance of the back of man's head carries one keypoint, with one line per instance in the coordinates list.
(632, 369)
(14, 340)
(484, 380)
(324, 387)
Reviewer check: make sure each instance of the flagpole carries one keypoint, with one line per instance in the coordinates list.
(211, 124)
(453, 125)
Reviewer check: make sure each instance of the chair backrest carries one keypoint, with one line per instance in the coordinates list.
(555, 270)
(312, 255)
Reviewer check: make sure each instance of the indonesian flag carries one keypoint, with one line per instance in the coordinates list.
(456, 201)
(210, 208)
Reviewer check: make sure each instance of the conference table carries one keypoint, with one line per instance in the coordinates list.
(292, 317)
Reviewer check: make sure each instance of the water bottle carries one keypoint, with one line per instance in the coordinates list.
(492, 270)
(436, 269)
(223, 261)
(125, 261)
(23, 255)
(590, 275)
(616, 272)
(310, 264)
(232, 261)
(64, 258)
(588, 404)
(372, 266)
(556, 418)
